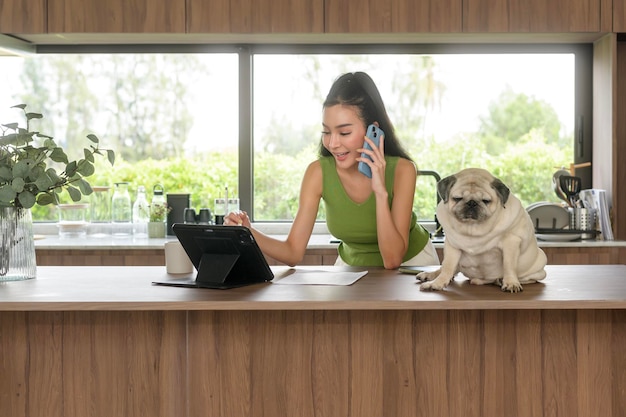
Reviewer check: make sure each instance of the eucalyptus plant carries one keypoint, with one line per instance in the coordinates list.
(26, 176)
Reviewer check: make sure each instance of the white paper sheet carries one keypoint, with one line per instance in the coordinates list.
(313, 277)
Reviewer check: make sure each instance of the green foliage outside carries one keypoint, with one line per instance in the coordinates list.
(520, 138)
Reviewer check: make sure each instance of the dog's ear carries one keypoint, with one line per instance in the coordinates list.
(501, 189)
(444, 186)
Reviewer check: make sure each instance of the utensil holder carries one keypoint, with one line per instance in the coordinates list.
(583, 220)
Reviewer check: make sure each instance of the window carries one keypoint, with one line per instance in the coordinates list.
(198, 119)
(509, 109)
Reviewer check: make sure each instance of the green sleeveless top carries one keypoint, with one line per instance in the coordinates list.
(355, 224)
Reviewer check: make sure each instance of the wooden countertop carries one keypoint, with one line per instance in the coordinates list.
(131, 289)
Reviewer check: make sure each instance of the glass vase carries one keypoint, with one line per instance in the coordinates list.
(17, 250)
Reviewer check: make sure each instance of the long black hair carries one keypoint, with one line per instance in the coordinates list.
(359, 90)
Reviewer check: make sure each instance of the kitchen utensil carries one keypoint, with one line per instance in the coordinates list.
(556, 184)
(571, 187)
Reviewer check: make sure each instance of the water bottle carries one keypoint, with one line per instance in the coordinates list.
(141, 213)
(158, 206)
(121, 211)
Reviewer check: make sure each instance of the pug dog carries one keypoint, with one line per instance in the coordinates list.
(490, 237)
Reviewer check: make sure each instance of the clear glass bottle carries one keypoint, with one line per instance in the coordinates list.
(157, 206)
(141, 213)
(100, 211)
(121, 211)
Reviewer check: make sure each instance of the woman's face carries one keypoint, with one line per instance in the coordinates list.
(342, 134)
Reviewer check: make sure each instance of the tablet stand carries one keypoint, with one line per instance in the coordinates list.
(215, 267)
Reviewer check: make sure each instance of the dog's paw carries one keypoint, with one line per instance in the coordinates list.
(436, 285)
(427, 276)
(512, 286)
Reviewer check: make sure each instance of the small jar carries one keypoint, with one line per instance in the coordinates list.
(73, 220)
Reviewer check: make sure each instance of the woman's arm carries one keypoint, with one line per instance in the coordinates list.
(291, 251)
(393, 224)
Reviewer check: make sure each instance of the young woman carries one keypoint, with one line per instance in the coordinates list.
(372, 217)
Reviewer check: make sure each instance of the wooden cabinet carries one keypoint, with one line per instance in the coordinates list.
(393, 16)
(566, 255)
(116, 16)
(619, 16)
(538, 16)
(255, 16)
(22, 16)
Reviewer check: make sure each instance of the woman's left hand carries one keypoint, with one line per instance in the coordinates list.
(377, 164)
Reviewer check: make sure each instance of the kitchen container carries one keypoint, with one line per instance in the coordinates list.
(121, 211)
(73, 220)
(583, 220)
(177, 203)
(100, 212)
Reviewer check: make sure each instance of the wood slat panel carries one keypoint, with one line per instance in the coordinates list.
(310, 363)
(393, 16)
(23, 16)
(116, 16)
(259, 16)
(619, 16)
(603, 255)
(533, 16)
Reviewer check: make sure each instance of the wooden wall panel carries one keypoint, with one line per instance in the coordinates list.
(538, 16)
(155, 257)
(92, 364)
(116, 16)
(310, 363)
(258, 16)
(23, 16)
(393, 16)
(530, 363)
(100, 257)
(619, 16)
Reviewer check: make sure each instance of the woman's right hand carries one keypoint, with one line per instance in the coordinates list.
(237, 218)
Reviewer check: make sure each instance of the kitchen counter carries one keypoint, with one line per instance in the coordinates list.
(103, 341)
(130, 288)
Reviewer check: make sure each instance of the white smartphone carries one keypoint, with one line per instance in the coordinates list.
(374, 133)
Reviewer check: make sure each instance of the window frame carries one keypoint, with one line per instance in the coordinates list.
(583, 84)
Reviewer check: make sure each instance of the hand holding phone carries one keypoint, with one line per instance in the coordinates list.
(374, 133)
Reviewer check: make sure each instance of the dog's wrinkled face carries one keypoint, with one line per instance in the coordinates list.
(473, 195)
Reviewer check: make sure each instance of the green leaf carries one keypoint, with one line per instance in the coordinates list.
(93, 138)
(74, 193)
(86, 168)
(58, 155)
(18, 184)
(30, 116)
(7, 194)
(43, 199)
(84, 186)
(19, 106)
(27, 199)
(10, 139)
(22, 168)
(70, 169)
(5, 173)
(36, 172)
(88, 155)
(52, 174)
(44, 182)
(111, 156)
